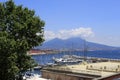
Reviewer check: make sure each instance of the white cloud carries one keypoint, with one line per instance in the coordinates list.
(64, 34)
(49, 35)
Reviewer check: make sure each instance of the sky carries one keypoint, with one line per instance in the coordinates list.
(95, 20)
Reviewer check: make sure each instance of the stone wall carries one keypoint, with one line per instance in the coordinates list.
(60, 76)
(113, 77)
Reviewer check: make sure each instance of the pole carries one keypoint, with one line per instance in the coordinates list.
(85, 50)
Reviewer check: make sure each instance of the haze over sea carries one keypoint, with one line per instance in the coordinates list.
(47, 58)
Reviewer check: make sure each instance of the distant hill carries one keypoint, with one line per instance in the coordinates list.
(74, 43)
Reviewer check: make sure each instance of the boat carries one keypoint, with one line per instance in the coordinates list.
(38, 67)
(68, 59)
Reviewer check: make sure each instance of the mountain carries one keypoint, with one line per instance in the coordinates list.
(74, 43)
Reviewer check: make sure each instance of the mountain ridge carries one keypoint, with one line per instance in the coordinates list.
(74, 43)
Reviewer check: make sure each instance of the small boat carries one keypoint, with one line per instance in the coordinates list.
(38, 67)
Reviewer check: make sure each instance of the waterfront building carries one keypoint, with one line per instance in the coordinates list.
(109, 70)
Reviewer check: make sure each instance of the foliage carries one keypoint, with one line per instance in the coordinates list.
(18, 34)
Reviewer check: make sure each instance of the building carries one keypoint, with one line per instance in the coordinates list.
(85, 71)
(38, 51)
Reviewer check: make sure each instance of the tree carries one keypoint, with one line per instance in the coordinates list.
(20, 31)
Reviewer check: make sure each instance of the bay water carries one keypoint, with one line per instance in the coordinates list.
(43, 59)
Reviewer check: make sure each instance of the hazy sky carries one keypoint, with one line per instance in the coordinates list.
(96, 20)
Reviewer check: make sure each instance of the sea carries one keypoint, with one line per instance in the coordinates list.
(43, 59)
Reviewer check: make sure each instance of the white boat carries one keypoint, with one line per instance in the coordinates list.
(68, 59)
(38, 67)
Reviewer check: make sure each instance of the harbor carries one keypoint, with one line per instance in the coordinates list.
(90, 67)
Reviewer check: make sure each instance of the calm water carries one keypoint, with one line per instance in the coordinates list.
(45, 58)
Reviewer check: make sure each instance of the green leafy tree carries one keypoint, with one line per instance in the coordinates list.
(20, 30)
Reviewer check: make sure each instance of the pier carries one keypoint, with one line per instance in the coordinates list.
(95, 59)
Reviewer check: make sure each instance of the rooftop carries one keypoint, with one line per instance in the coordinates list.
(102, 69)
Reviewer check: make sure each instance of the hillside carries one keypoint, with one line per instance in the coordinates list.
(74, 43)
